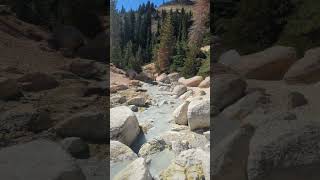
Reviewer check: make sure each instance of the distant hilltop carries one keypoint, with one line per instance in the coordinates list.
(177, 4)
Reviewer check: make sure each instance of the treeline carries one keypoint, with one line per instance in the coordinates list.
(146, 35)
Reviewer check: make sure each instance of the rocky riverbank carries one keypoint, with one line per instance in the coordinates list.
(162, 129)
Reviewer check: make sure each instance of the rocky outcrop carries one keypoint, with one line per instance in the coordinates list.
(38, 160)
(88, 125)
(137, 101)
(151, 147)
(199, 114)
(306, 70)
(270, 64)
(87, 69)
(120, 152)
(124, 126)
(173, 77)
(137, 170)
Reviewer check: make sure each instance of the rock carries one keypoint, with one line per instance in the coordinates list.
(228, 88)
(120, 152)
(87, 69)
(244, 106)
(296, 99)
(131, 74)
(180, 114)
(205, 83)
(230, 58)
(176, 127)
(37, 82)
(5, 9)
(279, 147)
(117, 99)
(9, 89)
(164, 88)
(87, 125)
(145, 77)
(38, 160)
(163, 78)
(124, 126)
(96, 49)
(190, 164)
(118, 87)
(195, 139)
(305, 70)
(186, 95)
(270, 64)
(41, 121)
(199, 114)
(145, 126)
(67, 38)
(137, 101)
(137, 170)
(135, 83)
(133, 108)
(173, 77)
(179, 146)
(192, 82)
(179, 90)
(207, 135)
(76, 147)
(151, 147)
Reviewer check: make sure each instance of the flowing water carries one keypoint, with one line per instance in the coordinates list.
(158, 114)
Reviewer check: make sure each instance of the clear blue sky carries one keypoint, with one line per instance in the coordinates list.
(134, 4)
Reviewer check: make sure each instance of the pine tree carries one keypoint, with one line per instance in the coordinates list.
(191, 65)
(128, 55)
(166, 44)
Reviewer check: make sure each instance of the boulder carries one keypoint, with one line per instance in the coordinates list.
(76, 147)
(270, 64)
(37, 82)
(245, 106)
(87, 125)
(87, 69)
(179, 146)
(120, 152)
(230, 58)
(199, 114)
(131, 74)
(124, 126)
(38, 160)
(228, 88)
(173, 77)
(192, 82)
(296, 99)
(205, 83)
(134, 108)
(179, 90)
(137, 101)
(305, 70)
(118, 87)
(180, 114)
(163, 78)
(137, 170)
(9, 89)
(151, 147)
(190, 164)
(135, 83)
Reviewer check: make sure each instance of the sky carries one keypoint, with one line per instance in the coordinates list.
(134, 4)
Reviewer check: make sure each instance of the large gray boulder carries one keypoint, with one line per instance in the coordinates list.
(38, 160)
(124, 126)
(269, 64)
(306, 70)
(180, 114)
(228, 88)
(137, 170)
(9, 89)
(199, 114)
(88, 125)
(37, 82)
(179, 90)
(121, 152)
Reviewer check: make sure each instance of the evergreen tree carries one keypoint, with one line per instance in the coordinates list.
(166, 44)
(128, 58)
(191, 65)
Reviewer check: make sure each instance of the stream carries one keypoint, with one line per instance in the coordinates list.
(159, 113)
